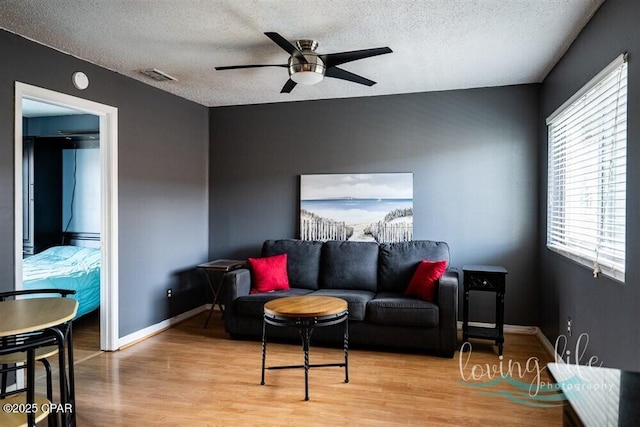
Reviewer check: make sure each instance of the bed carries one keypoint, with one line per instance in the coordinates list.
(66, 267)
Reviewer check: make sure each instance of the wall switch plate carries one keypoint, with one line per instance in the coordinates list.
(569, 326)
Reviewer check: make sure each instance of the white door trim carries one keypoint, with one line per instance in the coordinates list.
(108, 115)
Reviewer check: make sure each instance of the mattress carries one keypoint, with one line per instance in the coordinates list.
(66, 267)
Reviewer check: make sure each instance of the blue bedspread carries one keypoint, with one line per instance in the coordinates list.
(66, 267)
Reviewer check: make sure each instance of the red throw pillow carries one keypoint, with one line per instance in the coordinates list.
(269, 274)
(423, 282)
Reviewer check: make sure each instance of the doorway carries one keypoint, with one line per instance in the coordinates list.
(108, 182)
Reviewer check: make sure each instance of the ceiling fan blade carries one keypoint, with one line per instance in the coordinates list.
(288, 86)
(236, 67)
(333, 59)
(339, 73)
(286, 45)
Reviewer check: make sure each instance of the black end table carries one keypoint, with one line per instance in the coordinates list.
(487, 278)
(219, 268)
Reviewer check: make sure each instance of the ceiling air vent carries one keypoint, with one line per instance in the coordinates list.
(158, 75)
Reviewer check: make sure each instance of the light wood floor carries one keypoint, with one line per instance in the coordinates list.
(190, 376)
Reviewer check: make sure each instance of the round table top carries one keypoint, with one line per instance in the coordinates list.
(305, 306)
(34, 314)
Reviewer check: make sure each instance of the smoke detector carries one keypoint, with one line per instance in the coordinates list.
(157, 75)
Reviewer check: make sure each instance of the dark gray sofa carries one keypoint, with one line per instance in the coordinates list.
(371, 277)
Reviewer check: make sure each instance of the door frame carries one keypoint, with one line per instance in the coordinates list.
(108, 115)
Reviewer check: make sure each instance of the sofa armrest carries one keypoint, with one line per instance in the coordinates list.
(236, 283)
(448, 305)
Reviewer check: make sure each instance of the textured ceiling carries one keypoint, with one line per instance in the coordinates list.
(437, 44)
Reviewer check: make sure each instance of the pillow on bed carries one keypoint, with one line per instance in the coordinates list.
(57, 253)
(269, 274)
(87, 256)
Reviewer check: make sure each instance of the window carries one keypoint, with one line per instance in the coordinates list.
(586, 206)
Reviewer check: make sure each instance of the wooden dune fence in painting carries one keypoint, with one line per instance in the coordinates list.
(390, 232)
(318, 228)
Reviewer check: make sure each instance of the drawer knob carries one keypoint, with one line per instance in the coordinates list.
(484, 282)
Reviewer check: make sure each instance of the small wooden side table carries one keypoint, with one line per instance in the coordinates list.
(487, 278)
(306, 313)
(218, 268)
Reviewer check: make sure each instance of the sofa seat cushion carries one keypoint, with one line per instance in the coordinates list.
(356, 300)
(389, 308)
(253, 305)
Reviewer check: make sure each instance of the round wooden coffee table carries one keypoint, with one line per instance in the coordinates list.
(305, 313)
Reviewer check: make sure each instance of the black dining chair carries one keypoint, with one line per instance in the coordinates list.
(15, 351)
(20, 403)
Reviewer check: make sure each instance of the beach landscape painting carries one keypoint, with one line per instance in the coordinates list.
(358, 207)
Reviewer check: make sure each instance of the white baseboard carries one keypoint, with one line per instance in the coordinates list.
(546, 344)
(549, 348)
(159, 327)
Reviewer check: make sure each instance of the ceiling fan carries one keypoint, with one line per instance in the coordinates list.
(308, 67)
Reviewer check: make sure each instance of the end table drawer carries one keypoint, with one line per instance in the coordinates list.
(484, 282)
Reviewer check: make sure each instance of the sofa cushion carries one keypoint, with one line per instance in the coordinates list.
(397, 262)
(424, 282)
(388, 308)
(303, 260)
(349, 265)
(253, 305)
(268, 274)
(356, 300)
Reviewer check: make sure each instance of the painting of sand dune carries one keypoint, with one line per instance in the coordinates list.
(359, 207)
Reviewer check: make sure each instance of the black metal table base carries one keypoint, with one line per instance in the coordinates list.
(305, 327)
(215, 286)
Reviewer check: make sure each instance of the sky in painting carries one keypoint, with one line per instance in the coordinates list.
(357, 186)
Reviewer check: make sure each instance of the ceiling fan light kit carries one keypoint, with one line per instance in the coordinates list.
(307, 67)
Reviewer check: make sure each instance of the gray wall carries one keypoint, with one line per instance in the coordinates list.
(604, 309)
(163, 194)
(473, 154)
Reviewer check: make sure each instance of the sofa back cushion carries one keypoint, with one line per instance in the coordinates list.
(398, 262)
(349, 265)
(303, 260)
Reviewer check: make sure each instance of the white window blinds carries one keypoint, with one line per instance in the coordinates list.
(586, 207)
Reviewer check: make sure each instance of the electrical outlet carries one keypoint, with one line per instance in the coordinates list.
(169, 293)
(569, 326)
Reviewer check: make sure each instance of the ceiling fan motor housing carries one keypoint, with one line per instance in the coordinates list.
(311, 71)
